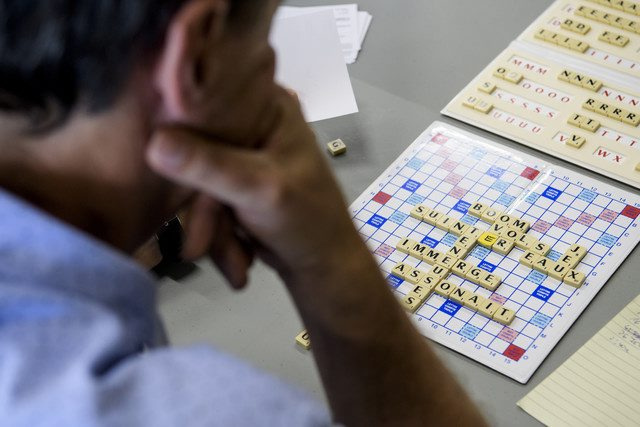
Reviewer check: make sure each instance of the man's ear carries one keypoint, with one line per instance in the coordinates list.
(186, 66)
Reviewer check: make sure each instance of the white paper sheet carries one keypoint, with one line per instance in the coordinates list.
(311, 63)
(347, 19)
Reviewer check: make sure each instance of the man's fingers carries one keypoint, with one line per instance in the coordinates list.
(232, 257)
(228, 174)
(200, 227)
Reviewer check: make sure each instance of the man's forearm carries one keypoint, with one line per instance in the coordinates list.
(375, 366)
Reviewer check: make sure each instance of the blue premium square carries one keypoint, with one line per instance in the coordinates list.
(552, 193)
(432, 243)
(411, 185)
(450, 308)
(394, 281)
(487, 266)
(543, 293)
(469, 331)
(377, 221)
(462, 207)
(540, 320)
(495, 172)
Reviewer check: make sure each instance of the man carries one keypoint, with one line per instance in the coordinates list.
(114, 115)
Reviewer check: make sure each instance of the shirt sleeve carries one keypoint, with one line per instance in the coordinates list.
(68, 360)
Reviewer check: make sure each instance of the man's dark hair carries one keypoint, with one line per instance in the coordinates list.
(58, 54)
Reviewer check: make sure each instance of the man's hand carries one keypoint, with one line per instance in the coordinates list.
(282, 195)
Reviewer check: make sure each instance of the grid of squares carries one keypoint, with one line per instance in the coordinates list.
(448, 175)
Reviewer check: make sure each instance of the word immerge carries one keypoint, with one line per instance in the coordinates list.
(505, 233)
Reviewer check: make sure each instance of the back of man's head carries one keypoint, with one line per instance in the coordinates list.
(58, 54)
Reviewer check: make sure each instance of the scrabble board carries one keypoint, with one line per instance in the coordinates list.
(449, 171)
(581, 105)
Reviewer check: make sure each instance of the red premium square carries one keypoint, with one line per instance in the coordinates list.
(440, 139)
(513, 352)
(382, 198)
(530, 173)
(630, 212)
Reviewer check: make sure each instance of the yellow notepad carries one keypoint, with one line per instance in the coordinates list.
(600, 384)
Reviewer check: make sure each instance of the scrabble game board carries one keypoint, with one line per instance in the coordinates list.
(450, 171)
(569, 86)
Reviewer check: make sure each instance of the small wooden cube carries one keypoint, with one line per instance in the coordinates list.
(490, 281)
(525, 241)
(465, 242)
(431, 256)
(558, 270)
(461, 268)
(459, 295)
(428, 284)
(577, 251)
(419, 212)
(576, 141)
(473, 232)
(477, 209)
(540, 248)
(542, 265)
(503, 246)
(488, 308)
(401, 270)
(529, 259)
(474, 301)
(444, 222)
(410, 303)
(458, 228)
(487, 239)
(405, 245)
(475, 274)
(458, 251)
(445, 288)
(487, 87)
(432, 217)
(414, 276)
(439, 271)
(504, 316)
(574, 278)
(337, 147)
(512, 234)
(447, 261)
(303, 340)
(520, 225)
(490, 215)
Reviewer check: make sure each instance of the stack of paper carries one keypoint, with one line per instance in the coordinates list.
(352, 25)
(600, 384)
(310, 62)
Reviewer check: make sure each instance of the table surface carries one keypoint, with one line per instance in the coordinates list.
(417, 56)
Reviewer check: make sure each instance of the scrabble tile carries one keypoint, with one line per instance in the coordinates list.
(566, 76)
(417, 250)
(487, 87)
(498, 229)
(465, 242)
(414, 276)
(337, 147)
(445, 288)
(447, 261)
(577, 251)
(592, 84)
(529, 258)
(512, 234)
(576, 141)
(475, 274)
(470, 102)
(444, 222)
(458, 251)
(477, 209)
(459, 295)
(574, 278)
(578, 79)
(638, 167)
(303, 340)
(575, 120)
(411, 303)
(461, 268)
(525, 241)
(427, 283)
(432, 217)
(503, 219)
(578, 45)
(520, 224)
(591, 104)
(458, 228)
(504, 316)
(513, 77)
(503, 246)
(542, 265)
(439, 272)
(418, 212)
(590, 125)
(483, 107)
(616, 113)
(490, 281)
(569, 261)
(405, 245)
(421, 292)
(614, 39)
(540, 248)
(558, 270)
(490, 215)
(632, 119)
(431, 256)
(488, 308)
(401, 270)
(473, 232)
(474, 301)
(500, 72)
(487, 239)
